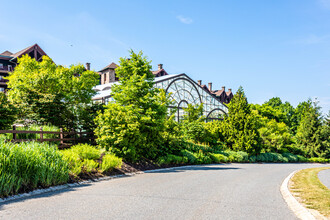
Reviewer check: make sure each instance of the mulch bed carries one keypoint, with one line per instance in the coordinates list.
(126, 167)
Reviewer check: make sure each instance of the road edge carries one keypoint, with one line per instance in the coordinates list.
(69, 185)
(300, 211)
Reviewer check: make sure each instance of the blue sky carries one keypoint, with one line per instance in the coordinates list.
(271, 48)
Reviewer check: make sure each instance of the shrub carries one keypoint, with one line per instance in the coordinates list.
(86, 151)
(74, 161)
(202, 158)
(218, 158)
(291, 157)
(90, 165)
(318, 160)
(26, 166)
(109, 162)
(238, 157)
(172, 159)
(190, 156)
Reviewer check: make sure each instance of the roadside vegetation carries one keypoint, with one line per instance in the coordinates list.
(308, 189)
(137, 129)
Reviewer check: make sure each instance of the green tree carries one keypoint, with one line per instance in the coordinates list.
(240, 127)
(325, 136)
(133, 125)
(308, 137)
(48, 93)
(193, 113)
(8, 112)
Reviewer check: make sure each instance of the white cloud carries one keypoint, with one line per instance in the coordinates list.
(184, 20)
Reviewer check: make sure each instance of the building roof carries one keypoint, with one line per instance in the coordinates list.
(160, 72)
(6, 53)
(110, 66)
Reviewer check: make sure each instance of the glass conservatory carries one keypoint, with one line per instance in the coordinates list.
(183, 90)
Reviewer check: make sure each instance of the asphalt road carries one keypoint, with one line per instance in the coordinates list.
(324, 177)
(228, 191)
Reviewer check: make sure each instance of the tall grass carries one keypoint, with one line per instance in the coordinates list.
(29, 165)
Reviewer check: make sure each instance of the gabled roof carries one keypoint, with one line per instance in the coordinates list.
(6, 53)
(219, 92)
(28, 49)
(110, 66)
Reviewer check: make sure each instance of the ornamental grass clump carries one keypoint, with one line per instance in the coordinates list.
(82, 158)
(109, 162)
(30, 165)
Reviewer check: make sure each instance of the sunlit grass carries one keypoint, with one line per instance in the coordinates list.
(306, 186)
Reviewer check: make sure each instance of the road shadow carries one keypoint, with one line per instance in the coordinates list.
(192, 168)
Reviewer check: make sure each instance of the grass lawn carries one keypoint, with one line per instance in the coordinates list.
(308, 189)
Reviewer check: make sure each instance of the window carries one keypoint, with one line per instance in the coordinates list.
(0, 77)
(1, 65)
(2, 89)
(105, 77)
(10, 68)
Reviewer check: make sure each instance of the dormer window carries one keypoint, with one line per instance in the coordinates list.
(10, 68)
(1, 65)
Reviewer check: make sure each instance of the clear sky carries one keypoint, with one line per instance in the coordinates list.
(271, 48)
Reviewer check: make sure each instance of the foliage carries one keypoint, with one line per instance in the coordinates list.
(308, 136)
(80, 157)
(240, 127)
(132, 126)
(193, 113)
(8, 112)
(109, 162)
(275, 136)
(48, 93)
(172, 159)
(218, 158)
(29, 165)
(35, 127)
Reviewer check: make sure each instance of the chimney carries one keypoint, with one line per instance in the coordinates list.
(160, 66)
(88, 66)
(229, 90)
(210, 86)
(223, 88)
(199, 82)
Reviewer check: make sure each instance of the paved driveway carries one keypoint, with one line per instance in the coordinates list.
(228, 191)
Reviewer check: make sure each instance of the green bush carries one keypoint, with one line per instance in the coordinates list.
(190, 156)
(74, 161)
(86, 151)
(318, 160)
(80, 158)
(291, 157)
(172, 159)
(109, 162)
(202, 158)
(90, 165)
(26, 166)
(218, 158)
(238, 157)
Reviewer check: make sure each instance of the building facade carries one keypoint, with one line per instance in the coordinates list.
(182, 89)
(8, 62)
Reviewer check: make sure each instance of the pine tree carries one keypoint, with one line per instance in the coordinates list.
(241, 131)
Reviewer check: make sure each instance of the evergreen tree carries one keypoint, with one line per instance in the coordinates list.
(308, 137)
(241, 129)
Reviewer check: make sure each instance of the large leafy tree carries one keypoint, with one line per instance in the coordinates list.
(241, 127)
(132, 125)
(47, 93)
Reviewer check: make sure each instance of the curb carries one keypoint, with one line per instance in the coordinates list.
(300, 211)
(71, 185)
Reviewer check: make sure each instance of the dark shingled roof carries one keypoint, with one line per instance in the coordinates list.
(110, 66)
